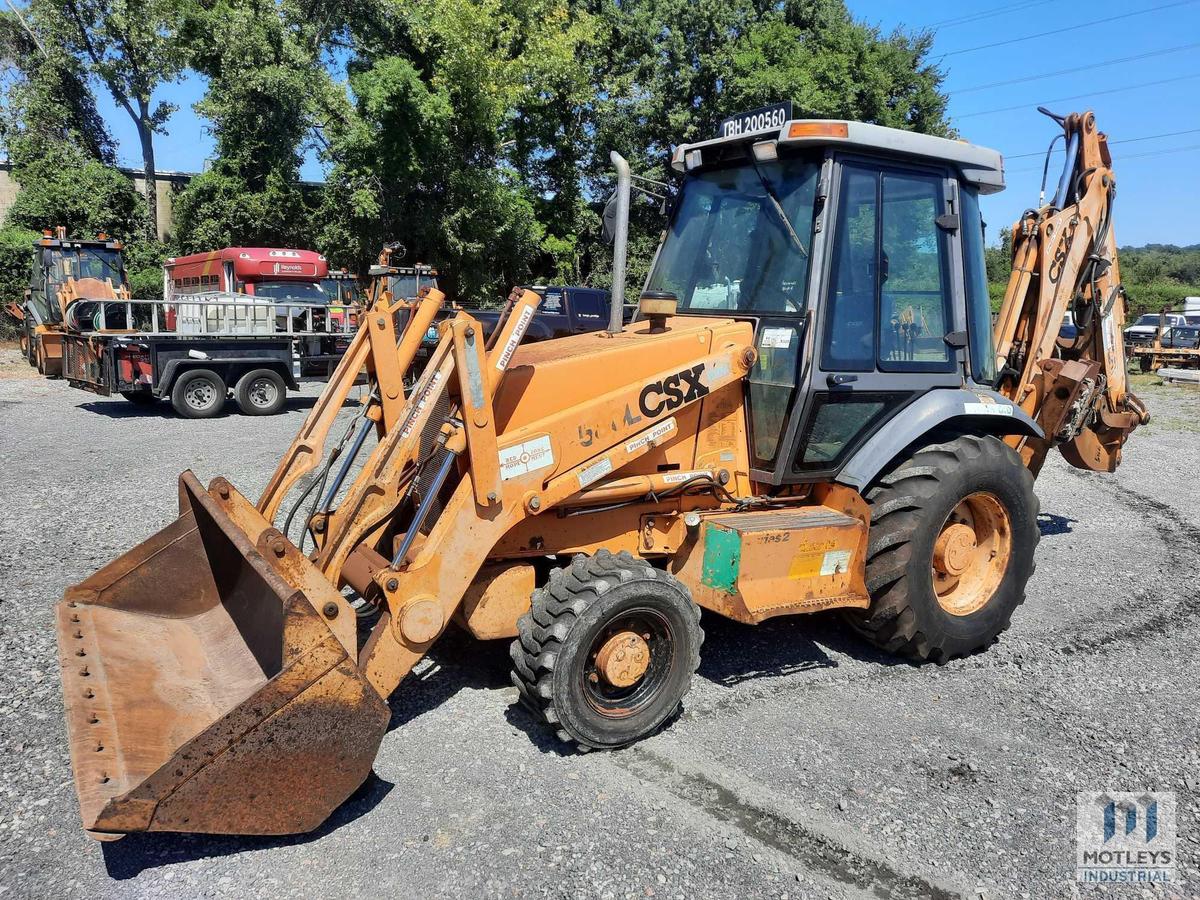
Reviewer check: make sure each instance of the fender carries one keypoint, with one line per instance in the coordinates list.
(176, 367)
(971, 411)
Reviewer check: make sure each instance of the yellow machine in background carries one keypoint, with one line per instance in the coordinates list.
(64, 270)
(761, 442)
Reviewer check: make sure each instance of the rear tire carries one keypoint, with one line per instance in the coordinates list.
(260, 393)
(199, 394)
(607, 651)
(140, 398)
(967, 505)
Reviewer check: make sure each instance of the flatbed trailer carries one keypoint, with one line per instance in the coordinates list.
(196, 349)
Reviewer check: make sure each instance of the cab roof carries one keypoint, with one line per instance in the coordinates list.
(979, 166)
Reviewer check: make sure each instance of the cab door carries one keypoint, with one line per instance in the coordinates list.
(884, 309)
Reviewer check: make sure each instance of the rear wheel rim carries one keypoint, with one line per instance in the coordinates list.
(971, 553)
(628, 663)
(262, 393)
(200, 394)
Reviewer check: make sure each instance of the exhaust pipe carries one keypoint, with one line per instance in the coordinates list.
(616, 306)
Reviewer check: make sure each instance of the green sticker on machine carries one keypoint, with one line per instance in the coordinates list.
(722, 558)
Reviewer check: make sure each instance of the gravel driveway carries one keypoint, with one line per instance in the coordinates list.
(804, 765)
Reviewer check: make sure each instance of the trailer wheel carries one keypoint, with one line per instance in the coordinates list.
(607, 651)
(140, 398)
(950, 549)
(199, 394)
(260, 393)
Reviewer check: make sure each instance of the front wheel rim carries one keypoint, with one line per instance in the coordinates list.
(618, 688)
(972, 553)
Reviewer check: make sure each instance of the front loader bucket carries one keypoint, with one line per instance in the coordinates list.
(211, 685)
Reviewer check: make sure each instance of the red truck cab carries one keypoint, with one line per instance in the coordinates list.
(266, 272)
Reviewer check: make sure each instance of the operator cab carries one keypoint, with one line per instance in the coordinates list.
(58, 259)
(857, 250)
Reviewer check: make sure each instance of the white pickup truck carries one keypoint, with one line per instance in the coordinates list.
(1143, 330)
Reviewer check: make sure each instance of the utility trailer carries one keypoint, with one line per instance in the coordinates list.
(197, 348)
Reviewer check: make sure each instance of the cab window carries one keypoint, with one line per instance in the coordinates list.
(888, 305)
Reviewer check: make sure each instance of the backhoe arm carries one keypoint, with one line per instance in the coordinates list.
(1065, 259)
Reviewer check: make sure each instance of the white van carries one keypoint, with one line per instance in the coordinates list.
(1191, 310)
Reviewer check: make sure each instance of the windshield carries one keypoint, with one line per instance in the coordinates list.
(302, 291)
(340, 290)
(86, 262)
(729, 246)
(1149, 319)
(405, 287)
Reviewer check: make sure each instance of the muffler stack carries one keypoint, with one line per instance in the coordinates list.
(211, 681)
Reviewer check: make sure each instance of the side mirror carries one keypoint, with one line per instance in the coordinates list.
(956, 340)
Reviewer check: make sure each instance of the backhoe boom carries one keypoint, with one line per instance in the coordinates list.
(1065, 260)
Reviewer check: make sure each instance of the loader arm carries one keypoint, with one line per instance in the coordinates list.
(246, 699)
(1065, 259)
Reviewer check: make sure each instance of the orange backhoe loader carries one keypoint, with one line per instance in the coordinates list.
(64, 270)
(812, 411)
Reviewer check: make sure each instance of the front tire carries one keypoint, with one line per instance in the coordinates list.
(140, 398)
(199, 394)
(607, 651)
(950, 549)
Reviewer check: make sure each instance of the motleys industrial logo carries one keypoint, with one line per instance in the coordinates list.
(1124, 837)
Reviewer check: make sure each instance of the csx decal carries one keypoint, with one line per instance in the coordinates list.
(672, 392)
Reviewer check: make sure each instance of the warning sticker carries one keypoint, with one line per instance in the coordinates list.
(819, 563)
(595, 471)
(835, 562)
(510, 346)
(651, 434)
(776, 338)
(529, 456)
(680, 477)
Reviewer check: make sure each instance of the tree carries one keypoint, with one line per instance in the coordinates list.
(675, 68)
(59, 148)
(999, 259)
(132, 47)
(263, 63)
(460, 137)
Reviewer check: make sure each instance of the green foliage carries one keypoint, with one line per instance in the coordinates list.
(1161, 263)
(59, 148)
(143, 268)
(999, 259)
(84, 195)
(675, 68)
(1155, 296)
(264, 76)
(16, 255)
(1156, 276)
(459, 138)
(218, 209)
(476, 132)
(132, 47)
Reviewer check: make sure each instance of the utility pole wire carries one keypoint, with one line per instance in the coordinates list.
(1089, 66)
(983, 14)
(1128, 87)
(28, 30)
(1030, 37)
(1148, 137)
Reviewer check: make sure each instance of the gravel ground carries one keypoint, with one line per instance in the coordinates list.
(803, 766)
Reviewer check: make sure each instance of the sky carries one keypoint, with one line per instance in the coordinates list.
(1146, 101)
